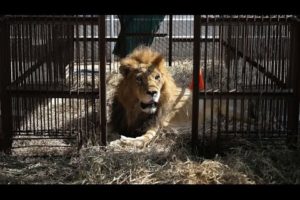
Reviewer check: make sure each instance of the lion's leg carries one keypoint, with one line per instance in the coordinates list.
(140, 141)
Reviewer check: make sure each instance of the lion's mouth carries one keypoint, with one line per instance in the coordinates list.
(151, 104)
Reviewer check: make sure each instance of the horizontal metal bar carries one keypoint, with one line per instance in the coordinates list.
(174, 39)
(93, 19)
(50, 19)
(45, 138)
(146, 34)
(237, 95)
(88, 93)
(40, 146)
(254, 133)
(47, 131)
(53, 92)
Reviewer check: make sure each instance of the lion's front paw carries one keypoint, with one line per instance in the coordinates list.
(135, 142)
(128, 142)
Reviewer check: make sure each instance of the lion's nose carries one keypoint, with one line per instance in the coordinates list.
(152, 93)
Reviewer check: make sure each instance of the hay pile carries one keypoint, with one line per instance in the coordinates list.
(166, 161)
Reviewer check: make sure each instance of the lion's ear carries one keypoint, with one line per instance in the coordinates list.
(158, 60)
(124, 70)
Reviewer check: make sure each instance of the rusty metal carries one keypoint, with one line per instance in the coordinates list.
(293, 82)
(102, 78)
(196, 67)
(5, 96)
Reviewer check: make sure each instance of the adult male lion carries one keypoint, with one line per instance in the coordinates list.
(146, 98)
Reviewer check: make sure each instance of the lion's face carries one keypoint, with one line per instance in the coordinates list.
(148, 82)
(144, 79)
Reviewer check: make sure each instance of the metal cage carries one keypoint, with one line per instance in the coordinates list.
(53, 74)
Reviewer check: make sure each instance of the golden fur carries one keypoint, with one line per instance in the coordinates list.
(127, 116)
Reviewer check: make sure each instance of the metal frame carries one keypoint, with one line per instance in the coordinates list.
(231, 44)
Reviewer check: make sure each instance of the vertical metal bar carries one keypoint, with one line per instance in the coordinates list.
(250, 75)
(273, 84)
(286, 67)
(55, 56)
(112, 33)
(268, 58)
(275, 73)
(196, 64)
(5, 79)
(282, 65)
(293, 82)
(258, 107)
(70, 37)
(86, 128)
(40, 82)
(36, 80)
(15, 75)
(233, 79)
(213, 75)
(116, 26)
(48, 57)
(42, 55)
(237, 39)
(48, 67)
(71, 52)
(23, 38)
(77, 72)
(64, 64)
(170, 38)
(244, 46)
(176, 44)
(19, 58)
(205, 69)
(279, 111)
(57, 41)
(261, 111)
(255, 100)
(43, 37)
(102, 87)
(93, 75)
(220, 65)
(13, 53)
(228, 58)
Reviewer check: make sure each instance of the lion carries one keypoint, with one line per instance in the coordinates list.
(147, 99)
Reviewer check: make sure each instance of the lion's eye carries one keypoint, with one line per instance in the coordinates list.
(157, 77)
(139, 79)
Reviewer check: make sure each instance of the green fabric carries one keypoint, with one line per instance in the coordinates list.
(144, 24)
